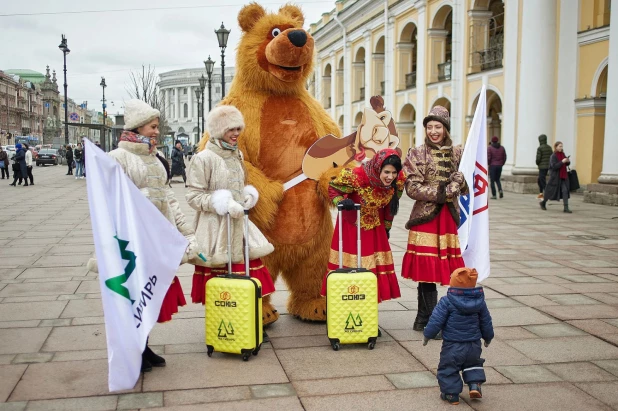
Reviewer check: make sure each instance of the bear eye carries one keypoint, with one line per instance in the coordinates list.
(276, 31)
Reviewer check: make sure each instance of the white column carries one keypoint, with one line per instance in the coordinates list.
(317, 86)
(567, 77)
(333, 86)
(190, 94)
(509, 104)
(368, 65)
(458, 70)
(347, 88)
(177, 103)
(421, 71)
(389, 67)
(609, 173)
(536, 105)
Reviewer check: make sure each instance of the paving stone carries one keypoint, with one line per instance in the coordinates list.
(179, 331)
(584, 288)
(595, 263)
(75, 260)
(263, 404)
(584, 278)
(610, 366)
(185, 348)
(572, 299)
(9, 377)
(75, 404)
(580, 312)
(527, 374)
(565, 349)
(187, 371)
(534, 300)
(145, 400)
(13, 406)
(84, 337)
(69, 297)
(580, 371)
(508, 317)
(426, 399)
(7, 300)
(342, 385)
(83, 308)
(503, 303)
(513, 333)
(31, 310)
(32, 358)
(300, 342)
(522, 280)
(6, 359)
(206, 395)
(80, 355)
(540, 264)
(604, 298)
(593, 326)
(404, 335)
(10, 273)
(88, 320)
(22, 340)
(272, 390)
(532, 289)
(288, 326)
(533, 397)
(19, 324)
(554, 330)
(71, 249)
(31, 289)
(58, 322)
(606, 392)
(408, 380)
(90, 287)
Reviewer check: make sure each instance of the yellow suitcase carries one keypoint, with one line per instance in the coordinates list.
(351, 300)
(234, 309)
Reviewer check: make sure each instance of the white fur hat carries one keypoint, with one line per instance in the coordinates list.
(138, 113)
(222, 119)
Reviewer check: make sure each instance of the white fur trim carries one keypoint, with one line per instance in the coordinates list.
(138, 113)
(220, 201)
(93, 265)
(251, 191)
(223, 118)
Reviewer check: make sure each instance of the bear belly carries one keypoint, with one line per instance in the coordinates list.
(286, 133)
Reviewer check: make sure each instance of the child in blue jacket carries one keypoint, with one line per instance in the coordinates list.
(464, 319)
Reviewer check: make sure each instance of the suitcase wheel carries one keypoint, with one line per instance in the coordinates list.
(335, 346)
(256, 351)
(371, 345)
(210, 351)
(245, 356)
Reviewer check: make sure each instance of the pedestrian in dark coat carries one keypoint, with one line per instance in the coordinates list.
(4, 163)
(69, 157)
(178, 162)
(543, 153)
(558, 186)
(21, 169)
(496, 158)
(464, 319)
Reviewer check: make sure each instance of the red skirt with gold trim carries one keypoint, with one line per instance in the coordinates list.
(257, 270)
(433, 250)
(376, 256)
(173, 299)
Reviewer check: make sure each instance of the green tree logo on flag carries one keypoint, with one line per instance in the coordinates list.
(351, 323)
(224, 330)
(116, 284)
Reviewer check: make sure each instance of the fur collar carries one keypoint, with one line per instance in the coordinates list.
(136, 148)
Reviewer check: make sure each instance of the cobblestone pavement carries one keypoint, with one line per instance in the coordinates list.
(553, 296)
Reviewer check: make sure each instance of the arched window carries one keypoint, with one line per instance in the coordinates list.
(185, 110)
(358, 75)
(326, 82)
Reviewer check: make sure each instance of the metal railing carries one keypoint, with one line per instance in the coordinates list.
(487, 43)
(444, 71)
(411, 80)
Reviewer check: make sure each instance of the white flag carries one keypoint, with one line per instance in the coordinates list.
(138, 252)
(474, 208)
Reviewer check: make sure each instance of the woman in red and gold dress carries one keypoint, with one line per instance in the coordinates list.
(376, 185)
(433, 181)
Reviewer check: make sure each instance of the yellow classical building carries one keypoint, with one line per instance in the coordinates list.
(545, 64)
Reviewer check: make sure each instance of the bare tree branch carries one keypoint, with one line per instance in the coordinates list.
(144, 86)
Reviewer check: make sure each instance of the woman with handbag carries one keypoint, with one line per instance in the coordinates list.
(69, 157)
(558, 186)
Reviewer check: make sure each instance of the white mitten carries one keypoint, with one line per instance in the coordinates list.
(235, 209)
(220, 200)
(251, 196)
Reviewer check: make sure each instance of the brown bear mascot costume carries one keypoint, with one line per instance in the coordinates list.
(274, 60)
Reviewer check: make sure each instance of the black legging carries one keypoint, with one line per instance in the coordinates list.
(495, 172)
(70, 168)
(5, 170)
(30, 175)
(427, 287)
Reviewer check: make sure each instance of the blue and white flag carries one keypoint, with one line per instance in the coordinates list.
(474, 208)
(138, 252)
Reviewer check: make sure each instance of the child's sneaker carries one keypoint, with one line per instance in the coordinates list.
(475, 391)
(452, 399)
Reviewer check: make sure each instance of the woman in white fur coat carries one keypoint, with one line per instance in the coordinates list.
(137, 155)
(217, 186)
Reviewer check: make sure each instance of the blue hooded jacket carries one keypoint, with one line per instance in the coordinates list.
(462, 315)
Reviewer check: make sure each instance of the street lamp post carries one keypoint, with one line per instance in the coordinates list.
(198, 94)
(202, 81)
(210, 65)
(222, 36)
(103, 137)
(65, 50)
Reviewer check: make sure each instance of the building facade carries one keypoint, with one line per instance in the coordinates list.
(547, 66)
(180, 102)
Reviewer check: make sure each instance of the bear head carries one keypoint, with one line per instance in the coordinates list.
(275, 54)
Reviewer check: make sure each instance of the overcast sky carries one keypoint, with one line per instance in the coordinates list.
(111, 43)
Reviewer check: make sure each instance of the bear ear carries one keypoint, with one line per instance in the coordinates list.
(294, 12)
(249, 15)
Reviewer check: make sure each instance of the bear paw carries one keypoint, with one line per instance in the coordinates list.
(269, 313)
(313, 309)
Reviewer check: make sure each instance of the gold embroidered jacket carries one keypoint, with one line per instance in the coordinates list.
(432, 180)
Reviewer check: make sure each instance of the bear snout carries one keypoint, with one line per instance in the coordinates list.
(298, 38)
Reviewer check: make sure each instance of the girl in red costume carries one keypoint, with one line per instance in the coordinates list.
(376, 186)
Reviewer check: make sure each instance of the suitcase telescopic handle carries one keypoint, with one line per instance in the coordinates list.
(357, 207)
(229, 243)
(247, 243)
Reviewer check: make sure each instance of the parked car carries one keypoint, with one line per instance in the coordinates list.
(47, 156)
(35, 153)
